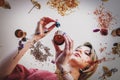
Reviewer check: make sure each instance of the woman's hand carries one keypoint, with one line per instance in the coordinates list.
(61, 55)
(68, 45)
(46, 20)
(42, 30)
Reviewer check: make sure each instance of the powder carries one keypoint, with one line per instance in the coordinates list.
(104, 19)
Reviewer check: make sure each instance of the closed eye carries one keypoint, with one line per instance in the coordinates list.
(87, 52)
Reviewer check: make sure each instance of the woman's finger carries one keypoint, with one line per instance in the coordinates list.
(47, 20)
(70, 43)
(66, 43)
(39, 30)
(57, 48)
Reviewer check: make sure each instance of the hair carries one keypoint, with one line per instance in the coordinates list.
(86, 73)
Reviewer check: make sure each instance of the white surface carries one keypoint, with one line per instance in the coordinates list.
(79, 25)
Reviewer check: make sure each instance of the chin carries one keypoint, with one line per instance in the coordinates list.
(74, 60)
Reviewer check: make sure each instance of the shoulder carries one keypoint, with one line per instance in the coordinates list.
(42, 75)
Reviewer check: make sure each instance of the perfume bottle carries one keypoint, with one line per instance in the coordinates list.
(58, 38)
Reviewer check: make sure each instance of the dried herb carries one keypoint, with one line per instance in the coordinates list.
(107, 72)
(63, 6)
(102, 49)
(96, 30)
(101, 60)
(116, 48)
(36, 51)
(104, 19)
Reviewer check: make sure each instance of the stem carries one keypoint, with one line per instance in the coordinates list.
(31, 9)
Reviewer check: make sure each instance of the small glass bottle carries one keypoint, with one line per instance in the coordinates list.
(58, 38)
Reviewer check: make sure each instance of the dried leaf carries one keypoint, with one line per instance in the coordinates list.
(107, 72)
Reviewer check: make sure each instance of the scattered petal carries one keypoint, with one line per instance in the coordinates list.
(96, 30)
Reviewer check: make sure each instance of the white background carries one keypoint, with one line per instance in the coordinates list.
(79, 25)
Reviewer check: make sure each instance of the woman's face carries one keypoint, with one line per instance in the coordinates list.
(81, 57)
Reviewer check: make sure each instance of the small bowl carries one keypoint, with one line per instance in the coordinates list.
(20, 34)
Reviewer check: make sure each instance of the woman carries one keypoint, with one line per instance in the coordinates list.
(78, 64)
(11, 70)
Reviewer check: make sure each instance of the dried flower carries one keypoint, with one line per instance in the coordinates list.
(116, 48)
(96, 30)
(107, 72)
(102, 49)
(38, 53)
(104, 18)
(63, 6)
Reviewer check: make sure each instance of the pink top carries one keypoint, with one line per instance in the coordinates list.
(22, 73)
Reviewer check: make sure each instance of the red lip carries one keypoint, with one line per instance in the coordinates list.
(77, 55)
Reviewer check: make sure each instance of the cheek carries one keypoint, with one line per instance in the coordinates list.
(80, 61)
(75, 60)
(85, 58)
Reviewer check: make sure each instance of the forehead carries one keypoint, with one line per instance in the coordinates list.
(83, 48)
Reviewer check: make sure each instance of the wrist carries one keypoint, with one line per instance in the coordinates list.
(64, 71)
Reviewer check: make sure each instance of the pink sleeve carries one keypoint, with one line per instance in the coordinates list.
(22, 73)
(42, 75)
(19, 73)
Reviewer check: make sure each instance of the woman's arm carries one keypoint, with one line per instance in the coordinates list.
(63, 54)
(10, 63)
(62, 59)
(67, 51)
